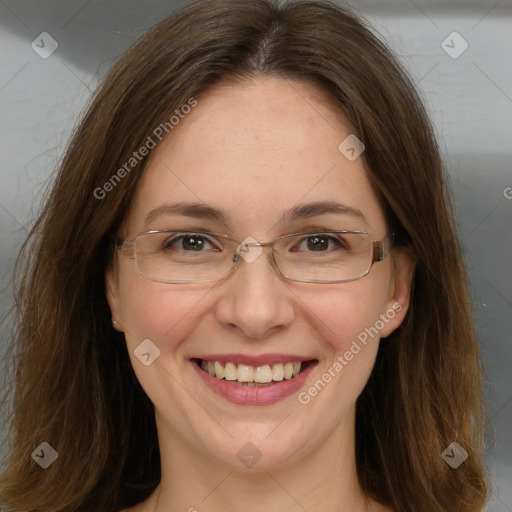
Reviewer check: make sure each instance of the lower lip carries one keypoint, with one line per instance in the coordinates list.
(264, 395)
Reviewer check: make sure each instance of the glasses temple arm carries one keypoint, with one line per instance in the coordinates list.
(382, 247)
(127, 247)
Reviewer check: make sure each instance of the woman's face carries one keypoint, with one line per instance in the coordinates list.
(256, 152)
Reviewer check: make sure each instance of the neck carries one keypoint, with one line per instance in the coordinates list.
(323, 479)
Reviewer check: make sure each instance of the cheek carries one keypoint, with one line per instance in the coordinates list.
(160, 312)
(348, 320)
(165, 315)
(347, 312)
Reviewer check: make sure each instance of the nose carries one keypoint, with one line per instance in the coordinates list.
(255, 300)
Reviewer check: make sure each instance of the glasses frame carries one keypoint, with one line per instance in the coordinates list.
(381, 248)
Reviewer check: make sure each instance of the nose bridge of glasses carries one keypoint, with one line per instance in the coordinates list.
(244, 251)
(254, 243)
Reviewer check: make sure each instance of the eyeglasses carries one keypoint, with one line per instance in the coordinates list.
(199, 257)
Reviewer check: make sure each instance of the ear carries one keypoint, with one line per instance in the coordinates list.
(399, 295)
(112, 294)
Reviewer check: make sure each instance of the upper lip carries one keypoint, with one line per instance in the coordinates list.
(252, 360)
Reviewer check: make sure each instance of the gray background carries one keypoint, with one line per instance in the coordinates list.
(469, 98)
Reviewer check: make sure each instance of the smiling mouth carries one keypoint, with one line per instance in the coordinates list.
(253, 376)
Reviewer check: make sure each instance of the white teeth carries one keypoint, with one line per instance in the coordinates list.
(277, 372)
(230, 371)
(219, 371)
(245, 373)
(248, 374)
(263, 374)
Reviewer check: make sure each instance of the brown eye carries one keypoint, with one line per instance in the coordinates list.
(192, 242)
(318, 243)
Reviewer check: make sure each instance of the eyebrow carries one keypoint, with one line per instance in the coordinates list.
(314, 209)
(299, 212)
(196, 210)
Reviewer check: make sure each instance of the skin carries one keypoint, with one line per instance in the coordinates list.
(256, 149)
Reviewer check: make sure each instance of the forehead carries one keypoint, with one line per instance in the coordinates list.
(255, 150)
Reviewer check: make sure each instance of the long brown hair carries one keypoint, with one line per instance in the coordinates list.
(72, 382)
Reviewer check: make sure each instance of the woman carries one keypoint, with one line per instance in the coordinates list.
(245, 285)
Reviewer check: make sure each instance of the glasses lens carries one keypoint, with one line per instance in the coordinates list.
(178, 257)
(187, 257)
(330, 256)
